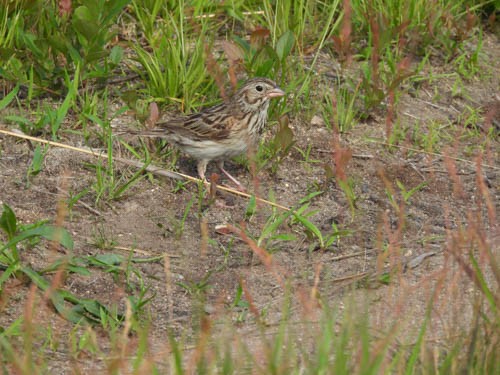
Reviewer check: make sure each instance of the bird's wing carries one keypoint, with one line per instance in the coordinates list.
(213, 123)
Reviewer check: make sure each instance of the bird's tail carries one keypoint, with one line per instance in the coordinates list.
(125, 132)
(154, 114)
(157, 133)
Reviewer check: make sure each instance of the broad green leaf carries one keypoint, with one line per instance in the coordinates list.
(82, 308)
(92, 306)
(36, 278)
(50, 232)
(112, 9)
(65, 311)
(76, 314)
(116, 55)
(8, 221)
(313, 228)
(264, 68)
(285, 44)
(84, 23)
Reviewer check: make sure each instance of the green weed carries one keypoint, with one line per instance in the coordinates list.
(36, 163)
(339, 110)
(49, 117)
(109, 184)
(405, 194)
(87, 310)
(173, 63)
(59, 43)
(277, 149)
(7, 99)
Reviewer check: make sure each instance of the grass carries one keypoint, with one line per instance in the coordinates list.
(66, 74)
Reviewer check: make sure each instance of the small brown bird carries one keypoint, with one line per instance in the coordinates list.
(222, 131)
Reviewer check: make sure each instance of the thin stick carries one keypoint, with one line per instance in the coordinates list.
(350, 277)
(149, 168)
(347, 256)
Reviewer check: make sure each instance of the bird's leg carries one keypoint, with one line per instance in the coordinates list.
(220, 164)
(202, 167)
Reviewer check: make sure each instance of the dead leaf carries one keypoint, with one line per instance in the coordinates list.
(64, 7)
(154, 115)
(258, 37)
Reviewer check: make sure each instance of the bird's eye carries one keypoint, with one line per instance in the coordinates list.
(259, 88)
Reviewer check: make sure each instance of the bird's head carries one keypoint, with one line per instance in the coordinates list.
(255, 94)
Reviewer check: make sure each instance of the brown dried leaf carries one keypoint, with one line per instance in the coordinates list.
(64, 7)
(215, 71)
(258, 37)
(154, 115)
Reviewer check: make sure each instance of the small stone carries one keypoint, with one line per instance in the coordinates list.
(210, 309)
(317, 121)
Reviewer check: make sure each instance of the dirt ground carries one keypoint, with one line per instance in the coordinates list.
(146, 222)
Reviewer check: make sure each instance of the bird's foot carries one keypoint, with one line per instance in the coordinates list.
(238, 184)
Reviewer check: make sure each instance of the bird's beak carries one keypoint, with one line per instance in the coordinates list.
(275, 93)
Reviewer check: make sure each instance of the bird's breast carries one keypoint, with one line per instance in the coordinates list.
(214, 150)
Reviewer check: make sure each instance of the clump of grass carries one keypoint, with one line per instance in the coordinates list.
(51, 42)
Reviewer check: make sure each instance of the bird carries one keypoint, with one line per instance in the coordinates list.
(222, 131)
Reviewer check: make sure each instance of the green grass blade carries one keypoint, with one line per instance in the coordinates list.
(311, 227)
(9, 97)
(50, 232)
